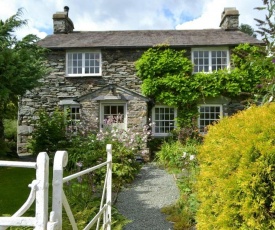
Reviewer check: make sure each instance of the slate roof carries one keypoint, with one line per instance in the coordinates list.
(147, 38)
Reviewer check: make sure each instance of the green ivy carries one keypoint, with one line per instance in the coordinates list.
(168, 79)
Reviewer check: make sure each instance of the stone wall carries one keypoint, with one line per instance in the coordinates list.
(230, 19)
(117, 68)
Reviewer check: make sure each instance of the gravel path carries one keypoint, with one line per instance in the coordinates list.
(152, 189)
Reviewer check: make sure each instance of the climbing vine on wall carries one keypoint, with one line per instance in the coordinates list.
(168, 79)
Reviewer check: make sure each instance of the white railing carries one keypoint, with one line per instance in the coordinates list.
(39, 194)
(59, 197)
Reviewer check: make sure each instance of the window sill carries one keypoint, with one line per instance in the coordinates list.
(160, 134)
(82, 76)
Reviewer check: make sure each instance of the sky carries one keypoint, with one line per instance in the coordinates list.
(100, 15)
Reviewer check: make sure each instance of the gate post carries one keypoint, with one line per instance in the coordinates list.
(60, 161)
(42, 193)
(109, 186)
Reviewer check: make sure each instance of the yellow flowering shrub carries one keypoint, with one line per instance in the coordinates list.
(236, 182)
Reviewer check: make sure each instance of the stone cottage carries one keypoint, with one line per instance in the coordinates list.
(93, 75)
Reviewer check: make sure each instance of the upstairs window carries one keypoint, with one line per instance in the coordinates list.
(163, 120)
(209, 60)
(208, 114)
(83, 64)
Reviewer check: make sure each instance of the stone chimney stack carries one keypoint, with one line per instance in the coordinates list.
(230, 19)
(62, 24)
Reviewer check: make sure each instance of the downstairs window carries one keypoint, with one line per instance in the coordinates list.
(163, 118)
(208, 114)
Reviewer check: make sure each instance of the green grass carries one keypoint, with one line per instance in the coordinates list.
(14, 189)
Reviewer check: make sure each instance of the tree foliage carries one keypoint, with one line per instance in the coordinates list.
(248, 30)
(266, 26)
(21, 65)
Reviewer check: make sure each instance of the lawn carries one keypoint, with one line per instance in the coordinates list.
(14, 189)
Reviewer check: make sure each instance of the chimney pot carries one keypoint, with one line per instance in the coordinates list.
(62, 24)
(66, 9)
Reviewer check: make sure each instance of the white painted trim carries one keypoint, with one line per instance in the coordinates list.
(83, 63)
(112, 102)
(209, 49)
(153, 120)
(209, 105)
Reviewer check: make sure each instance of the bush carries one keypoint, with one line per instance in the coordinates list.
(236, 182)
(49, 134)
(91, 150)
(10, 129)
(8, 147)
(87, 150)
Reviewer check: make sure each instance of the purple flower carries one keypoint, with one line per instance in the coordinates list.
(79, 179)
(259, 86)
(79, 164)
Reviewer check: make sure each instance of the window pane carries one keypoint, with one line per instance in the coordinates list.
(164, 119)
(208, 115)
(106, 109)
(90, 62)
(120, 109)
(113, 114)
(113, 109)
(219, 60)
(205, 61)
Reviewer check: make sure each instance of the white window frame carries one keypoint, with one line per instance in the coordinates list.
(155, 121)
(210, 64)
(72, 126)
(83, 67)
(208, 119)
(117, 125)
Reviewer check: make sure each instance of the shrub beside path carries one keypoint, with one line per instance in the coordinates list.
(142, 201)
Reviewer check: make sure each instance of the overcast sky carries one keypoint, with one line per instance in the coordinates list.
(128, 14)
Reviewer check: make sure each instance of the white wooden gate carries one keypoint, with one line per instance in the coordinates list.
(39, 193)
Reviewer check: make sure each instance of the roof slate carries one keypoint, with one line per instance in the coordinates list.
(147, 38)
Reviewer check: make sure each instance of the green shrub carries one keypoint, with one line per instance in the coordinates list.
(173, 154)
(235, 186)
(89, 151)
(49, 134)
(8, 147)
(83, 194)
(10, 129)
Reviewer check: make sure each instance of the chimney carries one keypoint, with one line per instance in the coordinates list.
(230, 19)
(62, 24)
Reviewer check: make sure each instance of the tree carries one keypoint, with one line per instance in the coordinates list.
(266, 27)
(247, 29)
(22, 64)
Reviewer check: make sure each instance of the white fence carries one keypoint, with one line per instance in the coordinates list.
(39, 194)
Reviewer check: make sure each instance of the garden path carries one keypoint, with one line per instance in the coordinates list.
(142, 201)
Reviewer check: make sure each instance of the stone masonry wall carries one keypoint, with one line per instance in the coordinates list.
(117, 68)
